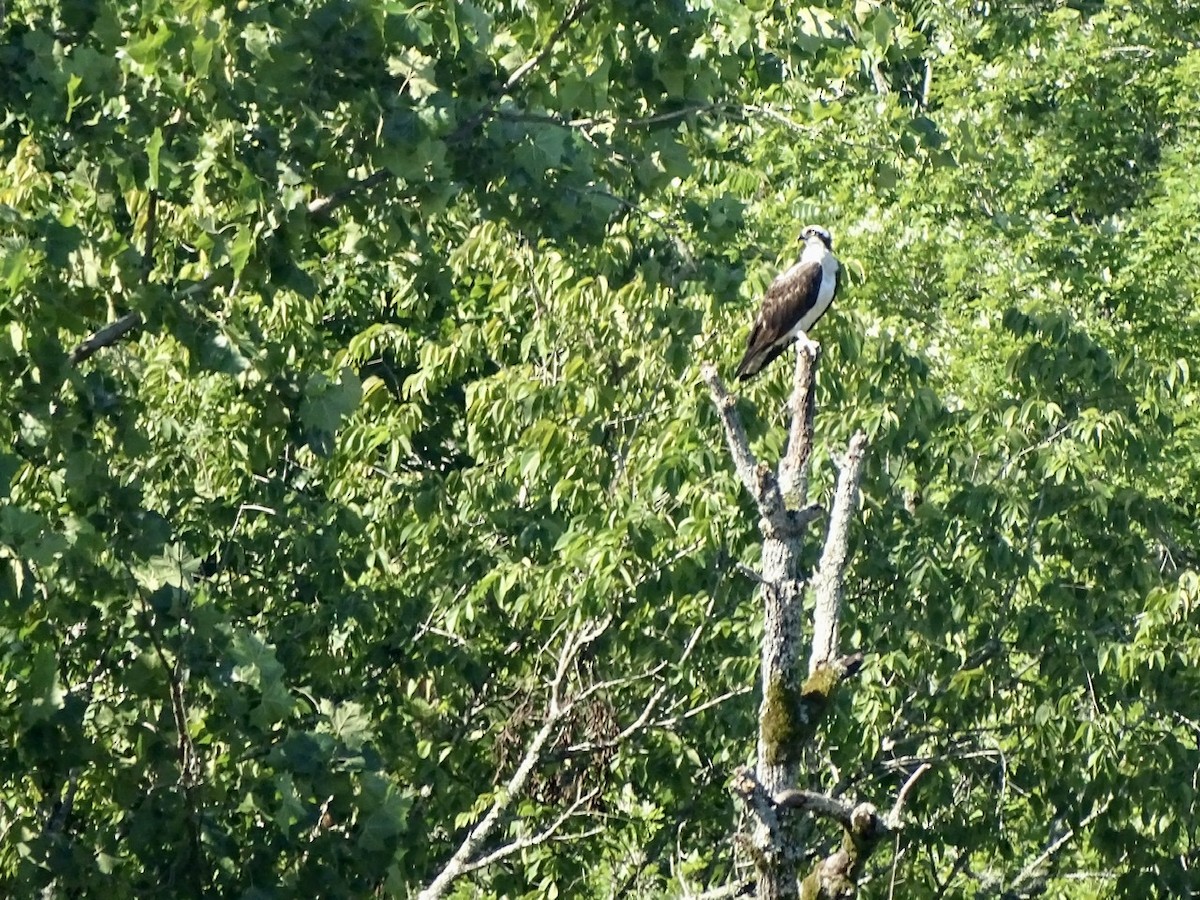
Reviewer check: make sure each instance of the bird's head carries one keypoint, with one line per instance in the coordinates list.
(812, 233)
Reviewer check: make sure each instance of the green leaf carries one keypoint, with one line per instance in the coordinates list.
(43, 694)
(153, 148)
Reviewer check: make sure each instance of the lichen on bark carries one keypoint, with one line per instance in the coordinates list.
(791, 716)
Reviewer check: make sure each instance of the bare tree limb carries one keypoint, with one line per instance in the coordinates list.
(832, 568)
(861, 822)
(744, 462)
(894, 818)
(325, 206)
(788, 711)
(115, 331)
(105, 337)
(550, 832)
(814, 802)
(793, 468)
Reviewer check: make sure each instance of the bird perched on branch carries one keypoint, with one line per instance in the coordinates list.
(794, 302)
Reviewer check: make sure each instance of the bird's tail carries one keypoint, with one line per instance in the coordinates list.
(750, 365)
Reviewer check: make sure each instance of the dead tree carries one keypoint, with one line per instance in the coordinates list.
(795, 696)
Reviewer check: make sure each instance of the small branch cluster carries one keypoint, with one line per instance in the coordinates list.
(470, 856)
(561, 700)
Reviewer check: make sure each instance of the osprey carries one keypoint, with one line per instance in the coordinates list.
(794, 302)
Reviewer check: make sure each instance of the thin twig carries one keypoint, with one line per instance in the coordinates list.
(592, 122)
(151, 235)
(519, 74)
(324, 206)
(893, 818)
(1031, 870)
(673, 720)
(546, 834)
(749, 572)
(557, 708)
(733, 889)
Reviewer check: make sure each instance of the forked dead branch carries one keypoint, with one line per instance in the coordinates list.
(795, 696)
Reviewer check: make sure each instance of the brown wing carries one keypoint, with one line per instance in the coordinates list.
(789, 298)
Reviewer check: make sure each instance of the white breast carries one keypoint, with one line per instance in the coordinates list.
(816, 252)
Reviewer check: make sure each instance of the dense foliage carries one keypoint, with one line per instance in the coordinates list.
(420, 294)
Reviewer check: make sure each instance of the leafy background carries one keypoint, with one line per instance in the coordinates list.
(423, 292)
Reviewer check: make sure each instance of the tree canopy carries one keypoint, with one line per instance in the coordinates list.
(350, 365)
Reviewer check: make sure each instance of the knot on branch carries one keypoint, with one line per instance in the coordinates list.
(751, 792)
(865, 823)
(837, 875)
(850, 665)
(786, 524)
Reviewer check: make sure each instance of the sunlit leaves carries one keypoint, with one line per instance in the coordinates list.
(354, 475)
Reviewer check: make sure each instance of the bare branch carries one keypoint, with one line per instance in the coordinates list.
(735, 432)
(1030, 872)
(591, 122)
(766, 112)
(757, 477)
(749, 572)
(572, 16)
(651, 704)
(893, 818)
(151, 234)
(325, 206)
(593, 689)
(106, 337)
(115, 331)
(672, 720)
(733, 889)
(793, 468)
(459, 862)
(571, 647)
(548, 833)
(832, 569)
(850, 816)
(821, 805)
